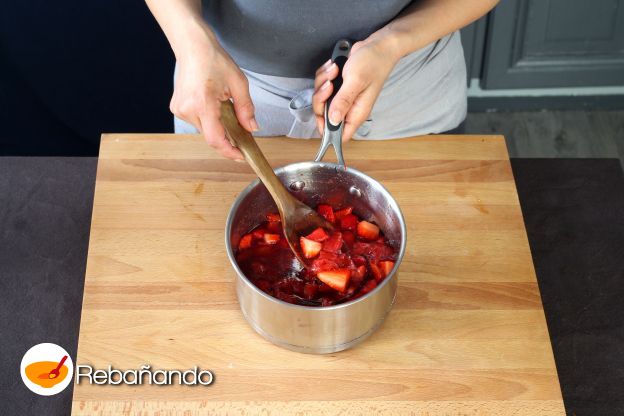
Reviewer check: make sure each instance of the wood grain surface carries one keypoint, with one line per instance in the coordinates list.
(467, 335)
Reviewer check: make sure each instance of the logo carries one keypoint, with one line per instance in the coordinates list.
(47, 369)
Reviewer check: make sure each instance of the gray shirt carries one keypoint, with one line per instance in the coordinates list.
(292, 38)
(280, 43)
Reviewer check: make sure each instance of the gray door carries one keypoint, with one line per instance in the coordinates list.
(555, 43)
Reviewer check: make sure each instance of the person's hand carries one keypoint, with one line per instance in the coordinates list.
(364, 74)
(206, 76)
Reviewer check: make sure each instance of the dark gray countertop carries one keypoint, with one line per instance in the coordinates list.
(573, 211)
(574, 215)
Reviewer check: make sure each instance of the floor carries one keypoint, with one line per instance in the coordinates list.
(558, 134)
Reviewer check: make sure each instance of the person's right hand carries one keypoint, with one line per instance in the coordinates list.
(206, 76)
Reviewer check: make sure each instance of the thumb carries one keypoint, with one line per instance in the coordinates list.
(343, 100)
(243, 106)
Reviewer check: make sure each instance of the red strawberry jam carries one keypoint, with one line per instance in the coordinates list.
(344, 264)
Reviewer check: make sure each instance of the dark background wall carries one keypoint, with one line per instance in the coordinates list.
(71, 70)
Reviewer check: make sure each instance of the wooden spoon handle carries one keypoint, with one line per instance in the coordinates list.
(60, 364)
(242, 139)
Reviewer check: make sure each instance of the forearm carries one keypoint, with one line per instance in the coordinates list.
(427, 21)
(183, 25)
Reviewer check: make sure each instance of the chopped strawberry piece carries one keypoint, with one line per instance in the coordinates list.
(377, 251)
(309, 290)
(345, 261)
(361, 270)
(358, 275)
(309, 248)
(318, 235)
(348, 237)
(321, 265)
(258, 233)
(359, 260)
(349, 222)
(386, 267)
(283, 243)
(334, 243)
(329, 255)
(273, 217)
(368, 287)
(367, 230)
(245, 242)
(376, 271)
(336, 279)
(341, 260)
(323, 288)
(326, 212)
(343, 212)
(271, 238)
(274, 227)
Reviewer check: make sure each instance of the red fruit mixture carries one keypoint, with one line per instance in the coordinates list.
(343, 265)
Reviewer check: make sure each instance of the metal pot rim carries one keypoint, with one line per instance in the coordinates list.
(302, 166)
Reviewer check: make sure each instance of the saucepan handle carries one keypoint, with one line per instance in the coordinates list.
(339, 57)
(333, 132)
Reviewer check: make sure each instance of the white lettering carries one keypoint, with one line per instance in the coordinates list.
(171, 376)
(111, 376)
(145, 371)
(81, 374)
(190, 377)
(132, 373)
(163, 380)
(207, 373)
(100, 377)
(193, 374)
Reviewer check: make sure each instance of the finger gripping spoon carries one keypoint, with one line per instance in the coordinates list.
(297, 218)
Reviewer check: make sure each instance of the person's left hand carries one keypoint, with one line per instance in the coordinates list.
(363, 76)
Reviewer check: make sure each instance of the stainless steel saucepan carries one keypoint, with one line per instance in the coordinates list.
(317, 329)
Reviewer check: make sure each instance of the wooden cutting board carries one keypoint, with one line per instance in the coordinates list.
(467, 334)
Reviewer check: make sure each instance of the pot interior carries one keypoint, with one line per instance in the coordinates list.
(314, 183)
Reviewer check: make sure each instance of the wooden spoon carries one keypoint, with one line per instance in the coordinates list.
(297, 218)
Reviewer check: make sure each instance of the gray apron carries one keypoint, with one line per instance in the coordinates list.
(425, 93)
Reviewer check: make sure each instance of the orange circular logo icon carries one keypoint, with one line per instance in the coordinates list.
(46, 369)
